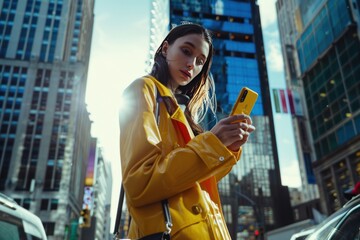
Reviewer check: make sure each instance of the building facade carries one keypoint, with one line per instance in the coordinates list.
(159, 27)
(103, 193)
(97, 196)
(44, 123)
(287, 18)
(252, 195)
(328, 51)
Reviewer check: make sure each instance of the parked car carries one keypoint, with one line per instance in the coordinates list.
(344, 224)
(303, 234)
(17, 223)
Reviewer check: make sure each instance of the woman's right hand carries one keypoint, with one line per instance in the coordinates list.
(233, 131)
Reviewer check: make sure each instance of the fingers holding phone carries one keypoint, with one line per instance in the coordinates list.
(226, 131)
(240, 118)
(234, 130)
(247, 126)
(244, 129)
(241, 110)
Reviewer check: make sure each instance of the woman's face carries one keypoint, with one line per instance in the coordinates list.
(186, 58)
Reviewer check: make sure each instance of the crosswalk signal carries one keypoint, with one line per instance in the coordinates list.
(85, 219)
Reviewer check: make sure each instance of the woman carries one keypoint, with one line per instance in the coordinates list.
(165, 154)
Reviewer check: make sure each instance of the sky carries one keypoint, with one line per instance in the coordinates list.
(118, 54)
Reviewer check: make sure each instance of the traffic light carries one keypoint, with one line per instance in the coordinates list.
(259, 233)
(85, 218)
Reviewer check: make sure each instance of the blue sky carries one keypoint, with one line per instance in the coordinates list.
(119, 51)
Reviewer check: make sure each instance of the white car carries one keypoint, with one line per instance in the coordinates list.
(17, 223)
(344, 224)
(303, 234)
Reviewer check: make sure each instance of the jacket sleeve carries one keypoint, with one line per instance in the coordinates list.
(151, 174)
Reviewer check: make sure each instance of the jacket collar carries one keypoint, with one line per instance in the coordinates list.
(163, 90)
(178, 114)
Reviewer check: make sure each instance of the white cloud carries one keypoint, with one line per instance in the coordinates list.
(286, 141)
(274, 57)
(290, 175)
(267, 12)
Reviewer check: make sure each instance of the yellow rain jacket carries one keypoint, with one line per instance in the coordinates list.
(166, 161)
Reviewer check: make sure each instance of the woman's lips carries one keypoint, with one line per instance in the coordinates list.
(186, 73)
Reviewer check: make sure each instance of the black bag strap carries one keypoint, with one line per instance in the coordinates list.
(119, 213)
(164, 203)
(168, 220)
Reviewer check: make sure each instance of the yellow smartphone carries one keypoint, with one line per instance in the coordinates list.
(245, 102)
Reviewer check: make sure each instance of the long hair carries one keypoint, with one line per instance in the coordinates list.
(201, 90)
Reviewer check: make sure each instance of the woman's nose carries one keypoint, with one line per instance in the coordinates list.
(191, 63)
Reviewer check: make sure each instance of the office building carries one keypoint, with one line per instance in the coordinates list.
(252, 195)
(287, 15)
(44, 123)
(328, 52)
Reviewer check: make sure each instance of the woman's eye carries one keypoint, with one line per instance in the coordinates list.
(186, 51)
(200, 62)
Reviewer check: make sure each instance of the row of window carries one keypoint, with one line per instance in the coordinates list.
(11, 94)
(331, 20)
(29, 27)
(340, 177)
(236, 9)
(28, 30)
(76, 34)
(338, 137)
(31, 144)
(56, 153)
(7, 16)
(332, 90)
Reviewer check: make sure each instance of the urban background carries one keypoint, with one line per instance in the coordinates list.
(53, 163)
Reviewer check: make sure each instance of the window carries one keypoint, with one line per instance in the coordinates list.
(54, 204)
(49, 228)
(26, 203)
(350, 228)
(44, 204)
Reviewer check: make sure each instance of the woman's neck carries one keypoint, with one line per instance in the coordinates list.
(172, 87)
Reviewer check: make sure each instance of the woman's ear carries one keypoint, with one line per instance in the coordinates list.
(164, 48)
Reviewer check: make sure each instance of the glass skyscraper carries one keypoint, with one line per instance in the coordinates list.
(44, 124)
(328, 49)
(252, 195)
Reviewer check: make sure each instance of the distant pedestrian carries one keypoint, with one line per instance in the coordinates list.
(165, 154)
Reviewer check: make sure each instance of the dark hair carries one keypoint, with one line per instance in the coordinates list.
(198, 89)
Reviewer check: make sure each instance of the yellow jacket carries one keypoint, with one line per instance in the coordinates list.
(165, 161)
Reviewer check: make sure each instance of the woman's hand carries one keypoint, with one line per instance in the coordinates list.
(233, 131)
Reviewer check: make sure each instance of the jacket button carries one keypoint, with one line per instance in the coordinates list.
(221, 158)
(196, 209)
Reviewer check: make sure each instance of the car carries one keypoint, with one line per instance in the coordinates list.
(17, 222)
(343, 224)
(303, 234)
